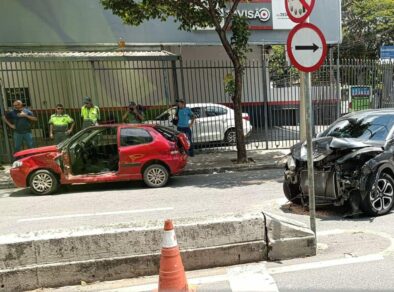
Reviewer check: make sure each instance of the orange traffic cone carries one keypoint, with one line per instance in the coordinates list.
(172, 274)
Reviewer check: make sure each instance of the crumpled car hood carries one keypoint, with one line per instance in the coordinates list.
(324, 146)
(34, 151)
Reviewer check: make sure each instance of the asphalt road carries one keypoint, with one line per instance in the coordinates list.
(353, 254)
(98, 205)
(195, 196)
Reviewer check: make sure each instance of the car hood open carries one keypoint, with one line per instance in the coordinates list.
(324, 146)
(34, 151)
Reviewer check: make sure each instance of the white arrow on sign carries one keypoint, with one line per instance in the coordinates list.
(306, 47)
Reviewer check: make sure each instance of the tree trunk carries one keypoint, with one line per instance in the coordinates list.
(237, 99)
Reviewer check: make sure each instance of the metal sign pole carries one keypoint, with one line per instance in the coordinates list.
(309, 124)
(307, 49)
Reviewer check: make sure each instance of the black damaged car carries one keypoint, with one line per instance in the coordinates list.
(353, 162)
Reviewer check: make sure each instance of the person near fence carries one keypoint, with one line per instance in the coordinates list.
(134, 114)
(185, 120)
(90, 113)
(61, 125)
(20, 119)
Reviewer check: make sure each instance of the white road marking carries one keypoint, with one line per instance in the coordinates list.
(190, 281)
(95, 214)
(325, 264)
(252, 277)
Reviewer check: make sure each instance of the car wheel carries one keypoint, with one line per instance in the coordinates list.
(230, 137)
(379, 199)
(43, 182)
(292, 192)
(156, 176)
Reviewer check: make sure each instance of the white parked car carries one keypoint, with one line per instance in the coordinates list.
(214, 122)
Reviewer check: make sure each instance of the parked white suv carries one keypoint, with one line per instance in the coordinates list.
(214, 122)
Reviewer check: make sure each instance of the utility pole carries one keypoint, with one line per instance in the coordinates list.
(309, 125)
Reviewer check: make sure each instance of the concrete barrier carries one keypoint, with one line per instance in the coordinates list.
(65, 258)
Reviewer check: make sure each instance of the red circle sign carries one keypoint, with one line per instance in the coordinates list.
(299, 10)
(306, 47)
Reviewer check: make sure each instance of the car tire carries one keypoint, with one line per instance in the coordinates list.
(292, 192)
(379, 199)
(156, 176)
(230, 137)
(43, 182)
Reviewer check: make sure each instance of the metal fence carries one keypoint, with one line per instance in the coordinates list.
(272, 107)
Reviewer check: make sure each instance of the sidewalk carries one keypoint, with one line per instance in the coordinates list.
(206, 163)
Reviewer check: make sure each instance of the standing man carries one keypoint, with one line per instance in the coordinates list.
(133, 114)
(90, 113)
(185, 119)
(20, 120)
(61, 125)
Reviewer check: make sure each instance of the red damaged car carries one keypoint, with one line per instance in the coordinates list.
(101, 154)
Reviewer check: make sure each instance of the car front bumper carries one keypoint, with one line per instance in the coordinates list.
(19, 176)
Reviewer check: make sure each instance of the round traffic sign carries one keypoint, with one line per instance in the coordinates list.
(299, 10)
(306, 47)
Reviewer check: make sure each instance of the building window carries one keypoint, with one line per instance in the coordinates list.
(21, 93)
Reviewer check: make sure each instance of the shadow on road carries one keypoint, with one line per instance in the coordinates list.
(88, 188)
(228, 179)
(219, 181)
(326, 213)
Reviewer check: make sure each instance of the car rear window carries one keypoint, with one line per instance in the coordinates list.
(169, 134)
(134, 136)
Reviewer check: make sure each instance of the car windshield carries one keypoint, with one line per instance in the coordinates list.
(166, 115)
(373, 127)
(77, 136)
(65, 142)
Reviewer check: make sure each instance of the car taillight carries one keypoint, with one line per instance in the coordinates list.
(184, 141)
(173, 148)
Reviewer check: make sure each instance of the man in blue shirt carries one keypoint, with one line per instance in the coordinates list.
(20, 120)
(185, 119)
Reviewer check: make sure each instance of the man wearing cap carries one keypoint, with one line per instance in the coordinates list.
(133, 114)
(60, 125)
(185, 118)
(90, 113)
(20, 120)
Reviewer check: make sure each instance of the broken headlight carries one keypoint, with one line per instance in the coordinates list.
(291, 164)
(17, 164)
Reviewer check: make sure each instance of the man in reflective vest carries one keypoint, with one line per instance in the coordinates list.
(90, 113)
(61, 125)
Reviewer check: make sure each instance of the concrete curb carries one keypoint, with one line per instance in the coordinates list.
(65, 258)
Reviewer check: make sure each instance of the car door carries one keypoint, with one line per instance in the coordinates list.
(216, 120)
(136, 146)
(199, 124)
(83, 166)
